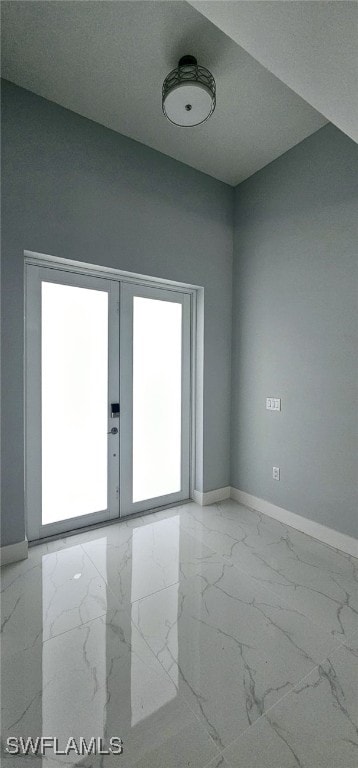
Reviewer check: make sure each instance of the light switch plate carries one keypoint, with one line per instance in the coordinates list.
(276, 473)
(273, 403)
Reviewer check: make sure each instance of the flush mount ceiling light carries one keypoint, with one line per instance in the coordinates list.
(189, 93)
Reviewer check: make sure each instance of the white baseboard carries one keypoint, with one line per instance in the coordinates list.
(333, 538)
(211, 497)
(13, 552)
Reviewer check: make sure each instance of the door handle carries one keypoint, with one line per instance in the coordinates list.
(114, 431)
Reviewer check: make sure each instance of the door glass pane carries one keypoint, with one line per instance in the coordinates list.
(74, 401)
(157, 362)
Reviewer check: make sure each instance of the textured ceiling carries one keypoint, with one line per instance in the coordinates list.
(107, 61)
(310, 46)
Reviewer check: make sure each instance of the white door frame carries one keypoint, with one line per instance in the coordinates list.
(196, 297)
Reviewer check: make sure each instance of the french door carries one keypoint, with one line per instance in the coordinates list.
(155, 397)
(107, 399)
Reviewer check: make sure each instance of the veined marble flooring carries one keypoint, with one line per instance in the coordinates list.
(207, 637)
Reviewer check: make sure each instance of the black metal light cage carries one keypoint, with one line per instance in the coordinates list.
(188, 71)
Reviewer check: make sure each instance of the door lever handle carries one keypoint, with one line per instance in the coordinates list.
(113, 431)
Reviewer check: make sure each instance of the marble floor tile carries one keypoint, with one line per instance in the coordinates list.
(309, 555)
(326, 597)
(218, 526)
(315, 726)
(138, 562)
(314, 579)
(209, 637)
(101, 679)
(48, 594)
(225, 525)
(230, 647)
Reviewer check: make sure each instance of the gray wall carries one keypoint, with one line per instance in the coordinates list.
(72, 188)
(295, 331)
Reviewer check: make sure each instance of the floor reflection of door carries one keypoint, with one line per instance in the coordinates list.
(155, 568)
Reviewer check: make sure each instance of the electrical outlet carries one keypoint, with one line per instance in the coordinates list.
(276, 473)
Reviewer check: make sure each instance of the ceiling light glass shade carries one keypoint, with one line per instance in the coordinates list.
(188, 93)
